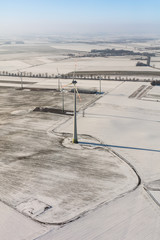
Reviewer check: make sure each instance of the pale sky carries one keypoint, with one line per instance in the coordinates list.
(79, 16)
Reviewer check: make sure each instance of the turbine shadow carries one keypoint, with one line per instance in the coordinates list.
(116, 146)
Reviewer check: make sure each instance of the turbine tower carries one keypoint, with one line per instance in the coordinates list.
(75, 137)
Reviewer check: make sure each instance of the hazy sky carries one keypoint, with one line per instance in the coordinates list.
(79, 16)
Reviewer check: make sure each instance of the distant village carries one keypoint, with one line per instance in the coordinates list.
(112, 52)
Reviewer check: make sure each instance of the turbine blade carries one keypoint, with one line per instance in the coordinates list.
(67, 85)
(78, 93)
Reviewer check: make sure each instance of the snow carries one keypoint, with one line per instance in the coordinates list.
(129, 127)
(15, 226)
(12, 65)
(131, 123)
(131, 217)
(156, 195)
(89, 64)
(42, 170)
(96, 180)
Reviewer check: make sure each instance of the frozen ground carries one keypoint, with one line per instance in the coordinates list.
(128, 125)
(110, 180)
(132, 217)
(42, 178)
(42, 57)
(15, 226)
(67, 64)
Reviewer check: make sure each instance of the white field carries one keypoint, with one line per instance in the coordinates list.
(67, 185)
(66, 65)
(125, 122)
(56, 56)
(155, 61)
(130, 128)
(154, 91)
(132, 123)
(134, 46)
(133, 217)
(15, 226)
(11, 66)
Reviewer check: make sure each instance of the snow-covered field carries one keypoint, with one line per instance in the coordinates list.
(66, 64)
(43, 174)
(109, 183)
(46, 58)
(132, 217)
(129, 123)
(15, 226)
(130, 127)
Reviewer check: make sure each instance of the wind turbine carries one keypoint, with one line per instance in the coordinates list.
(75, 136)
(100, 84)
(58, 79)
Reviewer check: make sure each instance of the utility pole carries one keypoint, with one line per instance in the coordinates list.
(21, 82)
(63, 100)
(75, 138)
(58, 84)
(58, 79)
(100, 85)
(21, 79)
